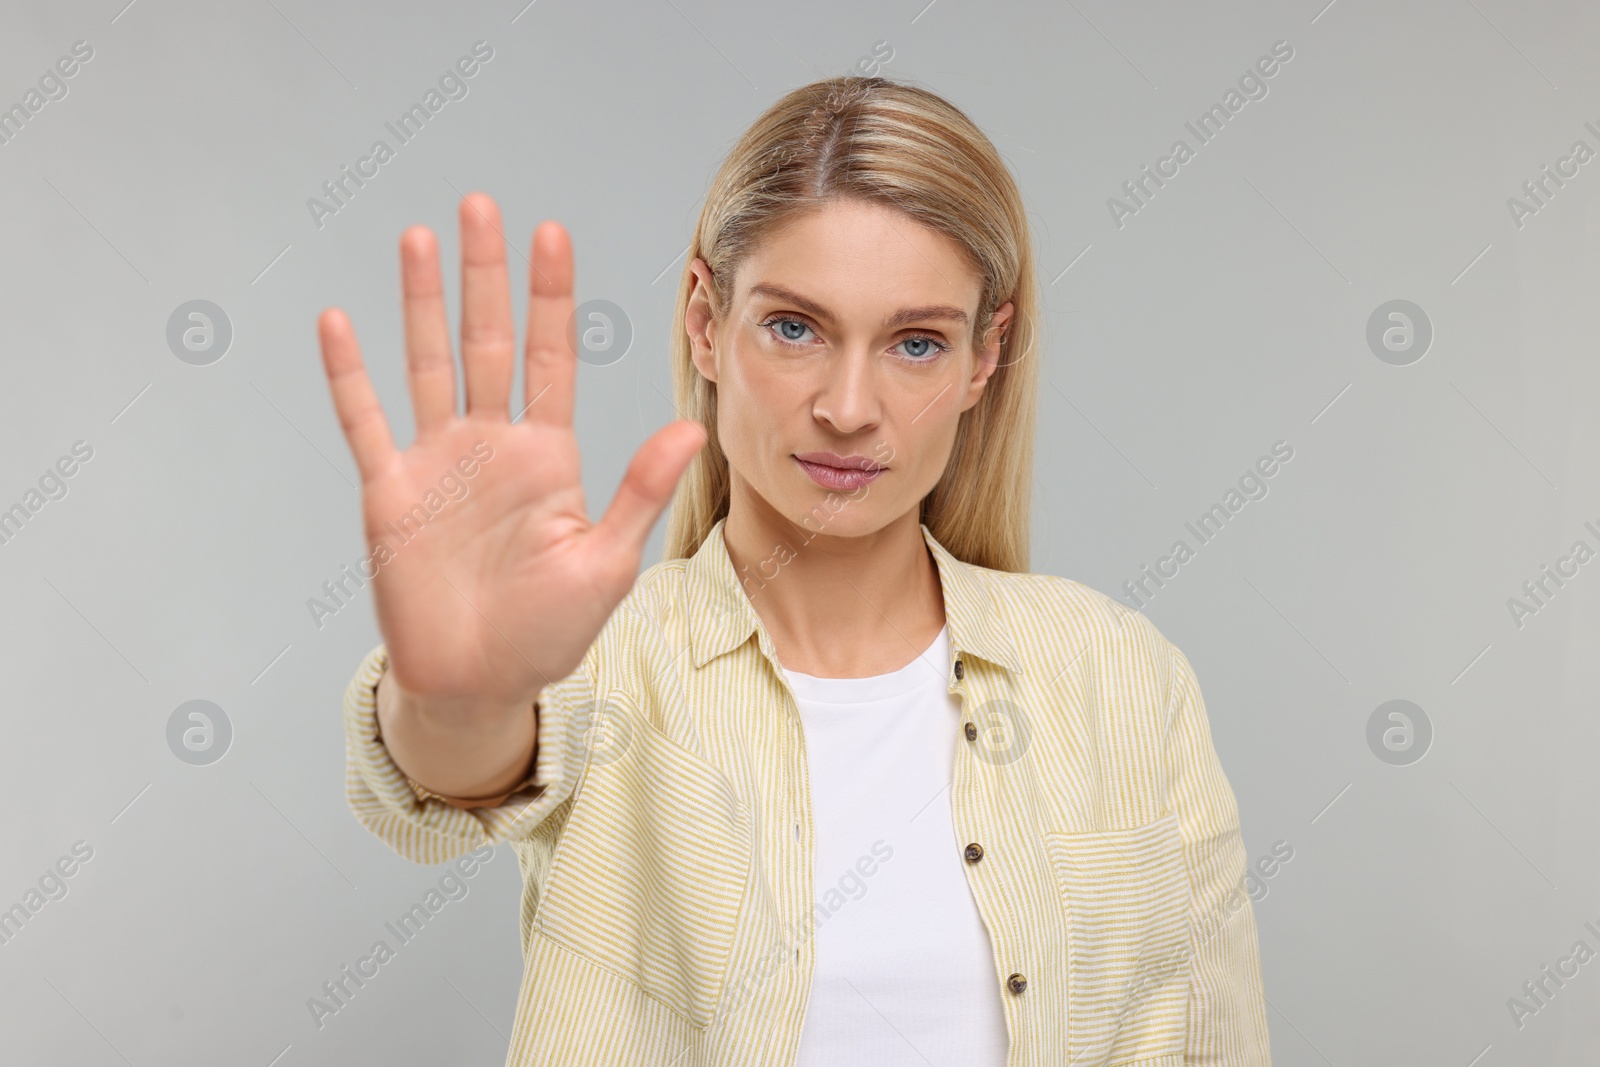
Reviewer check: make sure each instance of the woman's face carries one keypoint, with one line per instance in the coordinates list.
(847, 344)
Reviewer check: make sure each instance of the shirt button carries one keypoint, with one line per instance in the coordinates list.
(971, 731)
(960, 671)
(1017, 983)
(973, 852)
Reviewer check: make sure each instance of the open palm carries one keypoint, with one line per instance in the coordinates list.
(494, 583)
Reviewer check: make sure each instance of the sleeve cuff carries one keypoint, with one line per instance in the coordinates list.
(422, 792)
(426, 827)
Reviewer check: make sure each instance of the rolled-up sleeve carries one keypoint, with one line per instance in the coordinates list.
(1227, 1024)
(425, 829)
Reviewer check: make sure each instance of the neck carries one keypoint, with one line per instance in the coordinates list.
(836, 605)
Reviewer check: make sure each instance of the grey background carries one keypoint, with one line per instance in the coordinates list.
(1228, 314)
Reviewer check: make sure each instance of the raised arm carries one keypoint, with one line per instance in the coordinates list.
(491, 581)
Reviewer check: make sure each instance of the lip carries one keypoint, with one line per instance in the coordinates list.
(833, 459)
(833, 471)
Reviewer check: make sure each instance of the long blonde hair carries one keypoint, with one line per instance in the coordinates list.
(907, 148)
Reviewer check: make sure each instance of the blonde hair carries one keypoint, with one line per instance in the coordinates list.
(887, 143)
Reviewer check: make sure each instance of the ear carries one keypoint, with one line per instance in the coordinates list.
(699, 319)
(988, 360)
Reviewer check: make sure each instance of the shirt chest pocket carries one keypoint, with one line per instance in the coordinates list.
(650, 871)
(1126, 894)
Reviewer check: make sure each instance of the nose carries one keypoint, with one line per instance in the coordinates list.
(847, 399)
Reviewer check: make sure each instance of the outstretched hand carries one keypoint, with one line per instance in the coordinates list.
(506, 585)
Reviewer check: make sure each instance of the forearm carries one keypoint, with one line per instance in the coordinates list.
(456, 748)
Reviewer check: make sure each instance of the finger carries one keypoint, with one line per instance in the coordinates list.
(551, 361)
(430, 372)
(360, 414)
(488, 335)
(648, 485)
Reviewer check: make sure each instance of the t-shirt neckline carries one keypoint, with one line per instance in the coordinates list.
(927, 668)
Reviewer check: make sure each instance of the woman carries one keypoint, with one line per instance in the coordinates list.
(838, 781)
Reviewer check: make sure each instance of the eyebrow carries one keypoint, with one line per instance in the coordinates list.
(904, 316)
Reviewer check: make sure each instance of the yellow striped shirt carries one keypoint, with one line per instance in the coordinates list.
(667, 899)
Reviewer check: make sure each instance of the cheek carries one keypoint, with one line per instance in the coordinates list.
(927, 415)
(749, 397)
(922, 448)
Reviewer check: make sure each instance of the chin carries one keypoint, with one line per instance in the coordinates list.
(855, 519)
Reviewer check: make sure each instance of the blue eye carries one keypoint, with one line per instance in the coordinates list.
(922, 349)
(919, 348)
(792, 331)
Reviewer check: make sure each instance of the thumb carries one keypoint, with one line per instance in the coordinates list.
(647, 487)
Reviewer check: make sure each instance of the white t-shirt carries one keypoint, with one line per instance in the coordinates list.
(905, 975)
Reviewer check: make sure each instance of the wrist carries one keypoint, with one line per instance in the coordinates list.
(466, 752)
(446, 715)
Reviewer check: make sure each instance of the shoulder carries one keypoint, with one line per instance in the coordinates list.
(658, 585)
(1059, 622)
(657, 600)
(648, 625)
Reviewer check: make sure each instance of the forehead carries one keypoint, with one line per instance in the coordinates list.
(861, 259)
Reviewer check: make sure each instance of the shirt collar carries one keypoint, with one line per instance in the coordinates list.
(722, 617)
